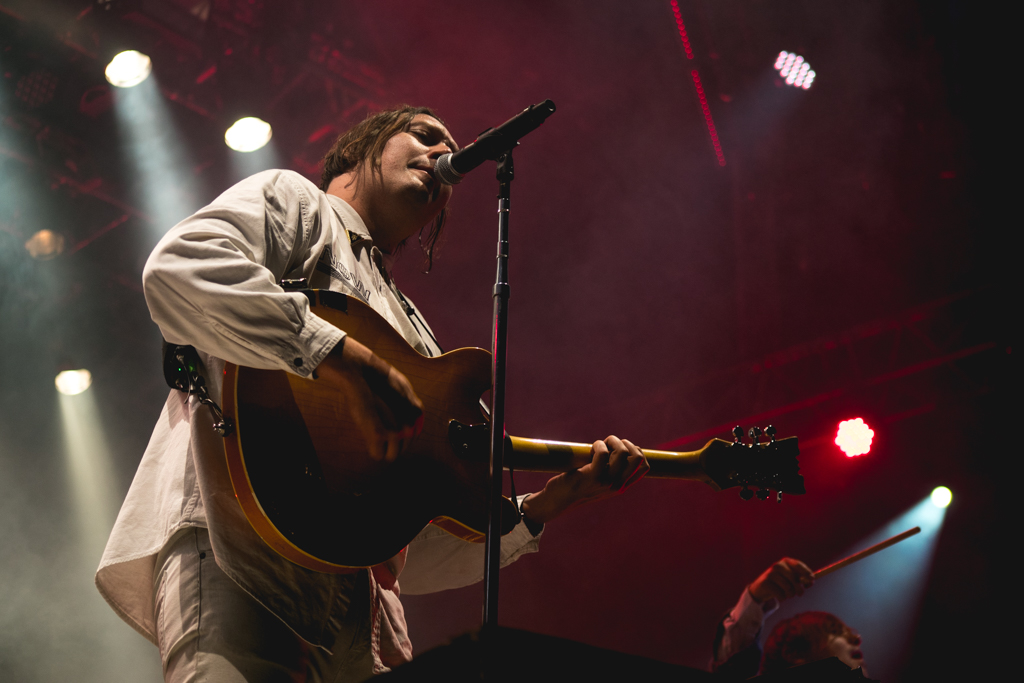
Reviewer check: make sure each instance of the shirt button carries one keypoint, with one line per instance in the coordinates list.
(297, 362)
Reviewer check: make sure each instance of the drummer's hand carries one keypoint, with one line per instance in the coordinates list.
(615, 465)
(783, 580)
(381, 400)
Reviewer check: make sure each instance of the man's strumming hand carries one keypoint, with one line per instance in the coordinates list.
(380, 398)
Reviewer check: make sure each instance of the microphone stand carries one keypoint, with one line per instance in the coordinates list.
(500, 293)
(496, 144)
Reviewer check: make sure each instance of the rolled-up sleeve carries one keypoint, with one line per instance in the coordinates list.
(739, 630)
(212, 281)
(438, 561)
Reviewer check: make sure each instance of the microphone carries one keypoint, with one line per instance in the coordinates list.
(491, 144)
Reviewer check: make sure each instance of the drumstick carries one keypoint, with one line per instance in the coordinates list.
(867, 551)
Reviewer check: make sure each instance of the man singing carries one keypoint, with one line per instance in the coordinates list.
(183, 566)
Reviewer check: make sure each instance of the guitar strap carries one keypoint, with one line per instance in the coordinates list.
(183, 371)
(512, 490)
(413, 315)
(179, 362)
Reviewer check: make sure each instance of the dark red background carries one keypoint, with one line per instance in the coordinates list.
(848, 260)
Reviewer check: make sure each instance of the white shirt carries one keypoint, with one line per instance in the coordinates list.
(742, 626)
(212, 282)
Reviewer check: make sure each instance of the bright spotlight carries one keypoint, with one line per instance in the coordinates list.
(794, 69)
(72, 382)
(45, 245)
(248, 134)
(128, 68)
(942, 497)
(854, 437)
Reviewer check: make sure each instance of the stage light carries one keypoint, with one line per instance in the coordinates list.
(942, 497)
(73, 382)
(682, 29)
(712, 131)
(128, 69)
(854, 437)
(794, 69)
(37, 88)
(45, 245)
(701, 95)
(248, 134)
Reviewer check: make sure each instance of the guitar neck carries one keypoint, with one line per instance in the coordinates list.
(538, 455)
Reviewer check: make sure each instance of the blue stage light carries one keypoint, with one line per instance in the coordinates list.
(942, 497)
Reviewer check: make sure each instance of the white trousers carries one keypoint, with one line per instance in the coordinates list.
(211, 631)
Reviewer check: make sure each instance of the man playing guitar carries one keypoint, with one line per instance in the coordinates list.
(183, 566)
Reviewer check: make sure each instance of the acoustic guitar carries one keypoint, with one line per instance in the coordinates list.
(300, 470)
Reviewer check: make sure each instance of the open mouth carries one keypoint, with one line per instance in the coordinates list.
(427, 176)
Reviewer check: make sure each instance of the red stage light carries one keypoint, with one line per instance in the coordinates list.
(854, 437)
(682, 29)
(712, 131)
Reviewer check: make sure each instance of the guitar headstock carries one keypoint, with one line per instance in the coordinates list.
(767, 465)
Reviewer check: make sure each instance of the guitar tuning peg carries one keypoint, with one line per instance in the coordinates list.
(770, 431)
(737, 432)
(762, 494)
(755, 433)
(746, 494)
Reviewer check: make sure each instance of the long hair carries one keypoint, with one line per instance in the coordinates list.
(799, 640)
(364, 143)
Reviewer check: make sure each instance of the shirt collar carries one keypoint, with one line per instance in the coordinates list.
(357, 232)
(350, 219)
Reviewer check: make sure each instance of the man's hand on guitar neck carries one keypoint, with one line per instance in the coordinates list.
(615, 465)
(381, 399)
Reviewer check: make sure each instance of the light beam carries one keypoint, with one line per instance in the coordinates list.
(156, 153)
(89, 472)
(879, 597)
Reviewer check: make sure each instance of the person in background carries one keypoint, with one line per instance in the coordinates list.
(802, 639)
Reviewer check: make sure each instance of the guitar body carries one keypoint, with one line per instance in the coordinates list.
(300, 469)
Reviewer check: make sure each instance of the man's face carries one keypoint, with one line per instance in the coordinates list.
(847, 648)
(407, 168)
